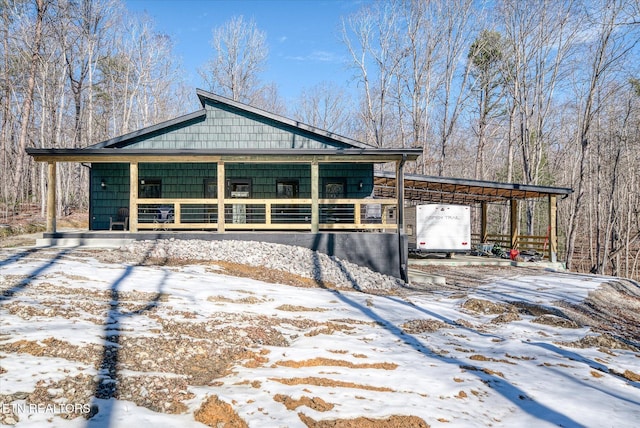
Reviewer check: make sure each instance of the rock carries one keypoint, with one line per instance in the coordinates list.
(296, 260)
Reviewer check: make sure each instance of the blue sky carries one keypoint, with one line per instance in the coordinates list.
(302, 35)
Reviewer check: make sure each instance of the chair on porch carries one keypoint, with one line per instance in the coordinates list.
(121, 219)
(164, 215)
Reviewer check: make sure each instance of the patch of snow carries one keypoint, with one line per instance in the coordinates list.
(471, 372)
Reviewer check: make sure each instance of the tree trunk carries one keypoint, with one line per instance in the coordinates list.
(27, 104)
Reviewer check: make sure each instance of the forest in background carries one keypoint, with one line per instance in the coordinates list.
(534, 92)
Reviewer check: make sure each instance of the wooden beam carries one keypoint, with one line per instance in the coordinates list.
(553, 230)
(220, 177)
(315, 189)
(484, 236)
(515, 227)
(51, 198)
(133, 196)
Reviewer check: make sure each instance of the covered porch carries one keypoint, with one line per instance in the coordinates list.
(234, 209)
(364, 230)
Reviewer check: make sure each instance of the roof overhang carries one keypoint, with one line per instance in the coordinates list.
(424, 188)
(113, 155)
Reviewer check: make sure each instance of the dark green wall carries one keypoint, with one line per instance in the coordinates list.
(186, 180)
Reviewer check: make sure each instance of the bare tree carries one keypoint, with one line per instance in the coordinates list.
(371, 36)
(608, 49)
(539, 37)
(27, 104)
(325, 106)
(137, 74)
(408, 56)
(417, 80)
(240, 54)
(457, 26)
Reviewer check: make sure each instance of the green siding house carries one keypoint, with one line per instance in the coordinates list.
(229, 168)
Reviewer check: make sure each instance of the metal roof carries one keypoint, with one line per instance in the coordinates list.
(425, 188)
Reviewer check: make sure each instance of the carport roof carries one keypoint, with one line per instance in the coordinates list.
(425, 188)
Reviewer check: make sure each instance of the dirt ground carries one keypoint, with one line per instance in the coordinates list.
(23, 229)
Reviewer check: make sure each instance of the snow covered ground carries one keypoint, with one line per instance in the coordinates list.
(87, 343)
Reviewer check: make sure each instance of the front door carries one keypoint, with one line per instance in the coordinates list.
(239, 188)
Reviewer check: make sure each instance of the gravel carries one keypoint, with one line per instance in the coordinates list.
(300, 261)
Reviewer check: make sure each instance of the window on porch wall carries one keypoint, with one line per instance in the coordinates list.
(240, 213)
(149, 188)
(335, 188)
(288, 213)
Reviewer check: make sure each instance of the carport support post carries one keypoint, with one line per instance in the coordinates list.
(515, 228)
(484, 236)
(553, 230)
(133, 197)
(51, 198)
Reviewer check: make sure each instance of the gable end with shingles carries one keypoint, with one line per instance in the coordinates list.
(226, 124)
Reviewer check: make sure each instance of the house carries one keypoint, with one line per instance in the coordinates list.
(232, 171)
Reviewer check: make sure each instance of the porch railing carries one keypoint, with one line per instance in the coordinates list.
(265, 214)
(539, 244)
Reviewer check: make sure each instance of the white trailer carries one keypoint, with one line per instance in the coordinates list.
(439, 228)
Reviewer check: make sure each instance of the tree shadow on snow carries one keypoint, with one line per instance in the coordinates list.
(48, 263)
(106, 390)
(510, 392)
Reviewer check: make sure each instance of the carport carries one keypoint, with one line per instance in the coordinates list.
(444, 190)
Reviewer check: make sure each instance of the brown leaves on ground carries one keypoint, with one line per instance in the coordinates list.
(634, 377)
(215, 413)
(396, 421)
(477, 357)
(261, 273)
(296, 308)
(555, 321)
(52, 347)
(321, 381)
(315, 403)
(316, 362)
(423, 326)
(600, 341)
(482, 306)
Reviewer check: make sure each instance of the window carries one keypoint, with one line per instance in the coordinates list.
(287, 213)
(335, 188)
(149, 188)
(210, 188)
(286, 189)
(239, 188)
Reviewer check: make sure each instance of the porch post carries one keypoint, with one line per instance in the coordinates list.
(515, 229)
(553, 232)
(315, 189)
(400, 194)
(484, 236)
(403, 250)
(220, 182)
(51, 198)
(133, 196)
